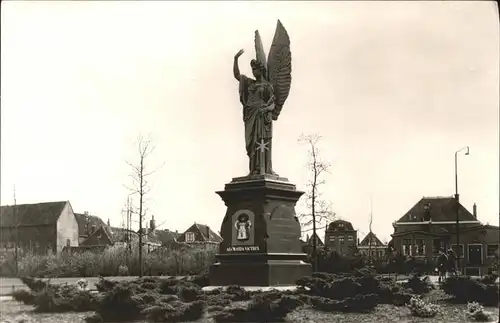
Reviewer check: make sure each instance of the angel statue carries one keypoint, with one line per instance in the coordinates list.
(263, 97)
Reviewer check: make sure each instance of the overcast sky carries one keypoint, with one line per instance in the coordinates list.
(394, 88)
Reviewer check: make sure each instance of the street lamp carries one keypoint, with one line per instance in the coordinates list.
(466, 148)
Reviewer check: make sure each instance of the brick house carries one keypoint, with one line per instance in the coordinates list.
(341, 237)
(431, 224)
(40, 227)
(371, 243)
(99, 237)
(200, 234)
(88, 224)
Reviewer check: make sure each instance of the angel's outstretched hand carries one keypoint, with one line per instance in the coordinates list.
(239, 53)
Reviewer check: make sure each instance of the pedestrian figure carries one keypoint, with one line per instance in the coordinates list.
(442, 263)
(452, 257)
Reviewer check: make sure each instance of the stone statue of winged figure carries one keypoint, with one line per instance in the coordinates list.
(263, 97)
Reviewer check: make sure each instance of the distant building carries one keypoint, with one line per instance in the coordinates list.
(88, 224)
(308, 244)
(40, 228)
(100, 237)
(200, 234)
(372, 247)
(152, 237)
(431, 224)
(341, 237)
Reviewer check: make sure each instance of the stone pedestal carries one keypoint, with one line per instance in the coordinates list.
(261, 234)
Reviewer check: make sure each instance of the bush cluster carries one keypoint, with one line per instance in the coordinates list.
(114, 261)
(359, 292)
(418, 284)
(48, 298)
(465, 289)
(476, 312)
(420, 308)
(270, 306)
(157, 299)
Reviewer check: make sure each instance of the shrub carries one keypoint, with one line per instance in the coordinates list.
(419, 285)
(332, 262)
(476, 312)
(359, 303)
(361, 282)
(34, 284)
(24, 296)
(177, 312)
(420, 308)
(64, 298)
(158, 300)
(265, 307)
(464, 290)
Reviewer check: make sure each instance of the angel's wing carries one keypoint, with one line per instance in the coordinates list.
(279, 67)
(259, 49)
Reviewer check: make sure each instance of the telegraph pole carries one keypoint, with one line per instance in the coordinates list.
(17, 232)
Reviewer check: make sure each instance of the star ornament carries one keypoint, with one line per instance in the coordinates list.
(262, 146)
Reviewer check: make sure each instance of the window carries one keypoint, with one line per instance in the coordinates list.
(68, 242)
(332, 238)
(406, 247)
(492, 250)
(350, 238)
(341, 239)
(420, 247)
(189, 236)
(436, 245)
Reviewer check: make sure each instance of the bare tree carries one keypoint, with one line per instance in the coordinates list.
(370, 233)
(140, 172)
(319, 210)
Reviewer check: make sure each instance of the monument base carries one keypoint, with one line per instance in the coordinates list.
(269, 273)
(270, 253)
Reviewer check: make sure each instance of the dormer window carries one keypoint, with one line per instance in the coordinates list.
(427, 212)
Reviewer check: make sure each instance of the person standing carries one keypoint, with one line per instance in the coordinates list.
(442, 263)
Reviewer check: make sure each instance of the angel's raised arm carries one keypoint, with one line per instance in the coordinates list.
(236, 69)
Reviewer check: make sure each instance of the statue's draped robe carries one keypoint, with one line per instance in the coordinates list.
(258, 125)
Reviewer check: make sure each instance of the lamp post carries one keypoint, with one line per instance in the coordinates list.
(466, 148)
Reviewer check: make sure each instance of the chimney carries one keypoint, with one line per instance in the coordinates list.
(86, 213)
(109, 225)
(474, 211)
(152, 224)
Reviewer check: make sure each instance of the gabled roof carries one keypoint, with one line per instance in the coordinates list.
(375, 241)
(31, 214)
(205, 234)
(166, 236)
(318, 240)
(98, 238)
(158, 236)
(86, 222)
(340, 225)
(439, 209)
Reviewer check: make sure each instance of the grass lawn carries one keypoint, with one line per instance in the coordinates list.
(13, 312)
